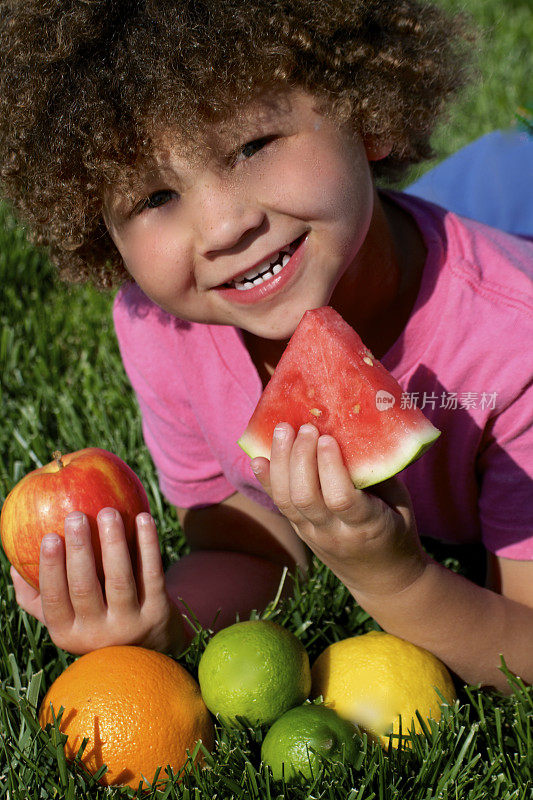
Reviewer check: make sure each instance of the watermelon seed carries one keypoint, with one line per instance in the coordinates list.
(356, 408)
(368, 361)
(316, 412)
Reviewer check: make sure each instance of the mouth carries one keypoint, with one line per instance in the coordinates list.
(266, 270)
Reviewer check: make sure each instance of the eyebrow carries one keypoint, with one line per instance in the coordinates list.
(248, 122)
(136, 183)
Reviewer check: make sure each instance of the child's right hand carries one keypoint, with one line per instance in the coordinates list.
(71, 602)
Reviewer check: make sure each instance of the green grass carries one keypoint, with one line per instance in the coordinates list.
(63, 387)
(502, 64)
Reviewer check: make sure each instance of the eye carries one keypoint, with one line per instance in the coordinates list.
(251, 148)
(155, 200)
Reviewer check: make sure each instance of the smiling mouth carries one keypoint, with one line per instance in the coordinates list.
(266, 270)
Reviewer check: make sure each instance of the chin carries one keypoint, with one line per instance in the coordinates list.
(289, 318)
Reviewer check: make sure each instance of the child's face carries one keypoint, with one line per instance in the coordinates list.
(283, 187)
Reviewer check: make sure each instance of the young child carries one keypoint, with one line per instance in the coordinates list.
(219, 159)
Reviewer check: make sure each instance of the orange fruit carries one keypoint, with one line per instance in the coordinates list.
(138, 708)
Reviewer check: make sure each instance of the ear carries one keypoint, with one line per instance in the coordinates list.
(376, 149)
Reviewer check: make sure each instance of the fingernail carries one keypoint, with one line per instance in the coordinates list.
(49, 542)
(106, 515)
(75, 519)
(255, 466)
(144, 519)
(280, 432)
(307, 428)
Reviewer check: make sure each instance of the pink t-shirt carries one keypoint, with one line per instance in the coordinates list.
(465, 356)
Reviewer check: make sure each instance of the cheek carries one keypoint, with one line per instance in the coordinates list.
(330, 184)
(152, 259)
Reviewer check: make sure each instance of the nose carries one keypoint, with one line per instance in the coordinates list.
(225, 218)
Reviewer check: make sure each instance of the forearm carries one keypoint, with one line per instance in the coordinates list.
(465, 625)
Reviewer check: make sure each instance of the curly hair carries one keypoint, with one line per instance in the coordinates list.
(83, 83)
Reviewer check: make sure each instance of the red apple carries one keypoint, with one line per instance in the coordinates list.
(87, 480)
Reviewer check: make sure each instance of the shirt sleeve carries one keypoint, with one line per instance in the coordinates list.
(188, 472)
(506, 475)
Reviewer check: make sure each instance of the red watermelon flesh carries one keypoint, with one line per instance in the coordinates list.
(326, 376)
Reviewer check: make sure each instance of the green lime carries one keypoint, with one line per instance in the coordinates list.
(256, 670)
(297, 742)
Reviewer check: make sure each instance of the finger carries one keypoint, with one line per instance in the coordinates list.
(28, 598)
(84, 587)
(352, 506)
(120, 587)
(282, 442)
(55, 598)
(394, 493)
(261, 468)
(150, 565)
(305, 491)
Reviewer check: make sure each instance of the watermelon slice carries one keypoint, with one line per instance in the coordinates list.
(328, 377)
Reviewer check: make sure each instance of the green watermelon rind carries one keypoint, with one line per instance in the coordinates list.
(411, 448)
(247, 443)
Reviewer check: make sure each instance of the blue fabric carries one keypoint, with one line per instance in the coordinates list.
(490, 180)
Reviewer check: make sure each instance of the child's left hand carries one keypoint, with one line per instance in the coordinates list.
(369, 540)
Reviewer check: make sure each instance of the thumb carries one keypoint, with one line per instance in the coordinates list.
(28, 598)
(261, 468)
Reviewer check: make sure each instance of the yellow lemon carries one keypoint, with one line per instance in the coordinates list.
(374, 679)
